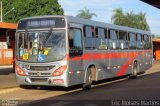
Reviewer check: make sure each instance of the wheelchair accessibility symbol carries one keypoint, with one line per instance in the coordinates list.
(41, 58)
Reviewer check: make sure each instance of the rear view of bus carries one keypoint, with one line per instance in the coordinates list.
(41, 51)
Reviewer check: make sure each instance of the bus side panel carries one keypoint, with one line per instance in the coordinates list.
(144, 60)
(105, 64)
(147, 59)
(140, 60)
(76, 71)
(100, 61)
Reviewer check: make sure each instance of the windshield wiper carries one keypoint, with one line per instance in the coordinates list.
(48, 35)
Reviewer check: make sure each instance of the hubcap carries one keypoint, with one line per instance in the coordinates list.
(90, 79)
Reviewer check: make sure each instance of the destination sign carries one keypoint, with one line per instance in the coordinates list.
(32, 23)
(37, 23)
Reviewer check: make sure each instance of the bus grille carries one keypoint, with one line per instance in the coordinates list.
(38, 79)
(40, 68)
(37, 74)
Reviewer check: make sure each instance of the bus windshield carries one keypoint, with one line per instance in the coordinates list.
(41, 46)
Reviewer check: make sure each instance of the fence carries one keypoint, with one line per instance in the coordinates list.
(6, 56)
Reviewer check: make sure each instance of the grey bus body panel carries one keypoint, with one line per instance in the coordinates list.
(78, 66)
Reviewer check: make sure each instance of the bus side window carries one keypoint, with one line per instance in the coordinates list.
(122, 40)
(75, 42)
(139, 41)
(132, 40)
(146, 42)
(101, 42)
(113, 39)
(89, 40)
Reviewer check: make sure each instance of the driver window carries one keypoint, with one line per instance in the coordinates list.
(75, 42)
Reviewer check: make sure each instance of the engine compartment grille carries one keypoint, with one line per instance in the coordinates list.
(39, 68)
(38, 79)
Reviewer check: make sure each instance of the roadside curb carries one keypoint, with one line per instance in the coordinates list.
(6, 66)
(7, 90)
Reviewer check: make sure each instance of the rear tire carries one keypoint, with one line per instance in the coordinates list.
(88, 82)
(134, 71)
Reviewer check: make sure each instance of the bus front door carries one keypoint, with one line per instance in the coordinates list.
(75, 54)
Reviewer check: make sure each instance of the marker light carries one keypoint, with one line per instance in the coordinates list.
(59, 71)
(19, 71)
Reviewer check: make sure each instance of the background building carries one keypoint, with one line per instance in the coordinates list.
(7, 51)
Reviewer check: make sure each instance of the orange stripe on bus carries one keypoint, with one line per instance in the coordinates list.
(124, 67)
(97, 56)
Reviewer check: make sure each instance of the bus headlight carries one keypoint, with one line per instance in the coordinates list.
(59, 71)
(19, 71)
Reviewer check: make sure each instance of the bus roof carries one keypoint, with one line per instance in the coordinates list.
(102, 24)
(77, 20)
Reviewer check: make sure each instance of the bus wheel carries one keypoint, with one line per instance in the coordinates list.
(134, 71)
(88, 83)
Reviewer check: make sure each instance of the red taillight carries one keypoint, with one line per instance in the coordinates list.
(19, 71)
(59, 71)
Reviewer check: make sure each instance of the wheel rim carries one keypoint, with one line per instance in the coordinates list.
(135, 70)
(90, 79)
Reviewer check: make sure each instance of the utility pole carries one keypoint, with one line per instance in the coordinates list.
(1, 18)
(1, 12)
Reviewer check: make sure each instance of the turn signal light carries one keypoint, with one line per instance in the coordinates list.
(59, 71)
(19, 71)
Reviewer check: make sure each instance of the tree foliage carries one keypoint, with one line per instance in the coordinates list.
(85, 13)
(155, 36)
(27, 8)
(130, 19)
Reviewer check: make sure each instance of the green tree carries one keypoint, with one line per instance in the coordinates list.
(85, 13)
(142, 21)
(118, 17)
(27, 8)
(153, 36)
(130, 19)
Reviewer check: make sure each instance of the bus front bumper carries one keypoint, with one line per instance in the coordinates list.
(42, 81)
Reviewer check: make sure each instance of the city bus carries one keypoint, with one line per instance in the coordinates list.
(66, 51)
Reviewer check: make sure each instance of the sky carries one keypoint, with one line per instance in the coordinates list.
(104, 10)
